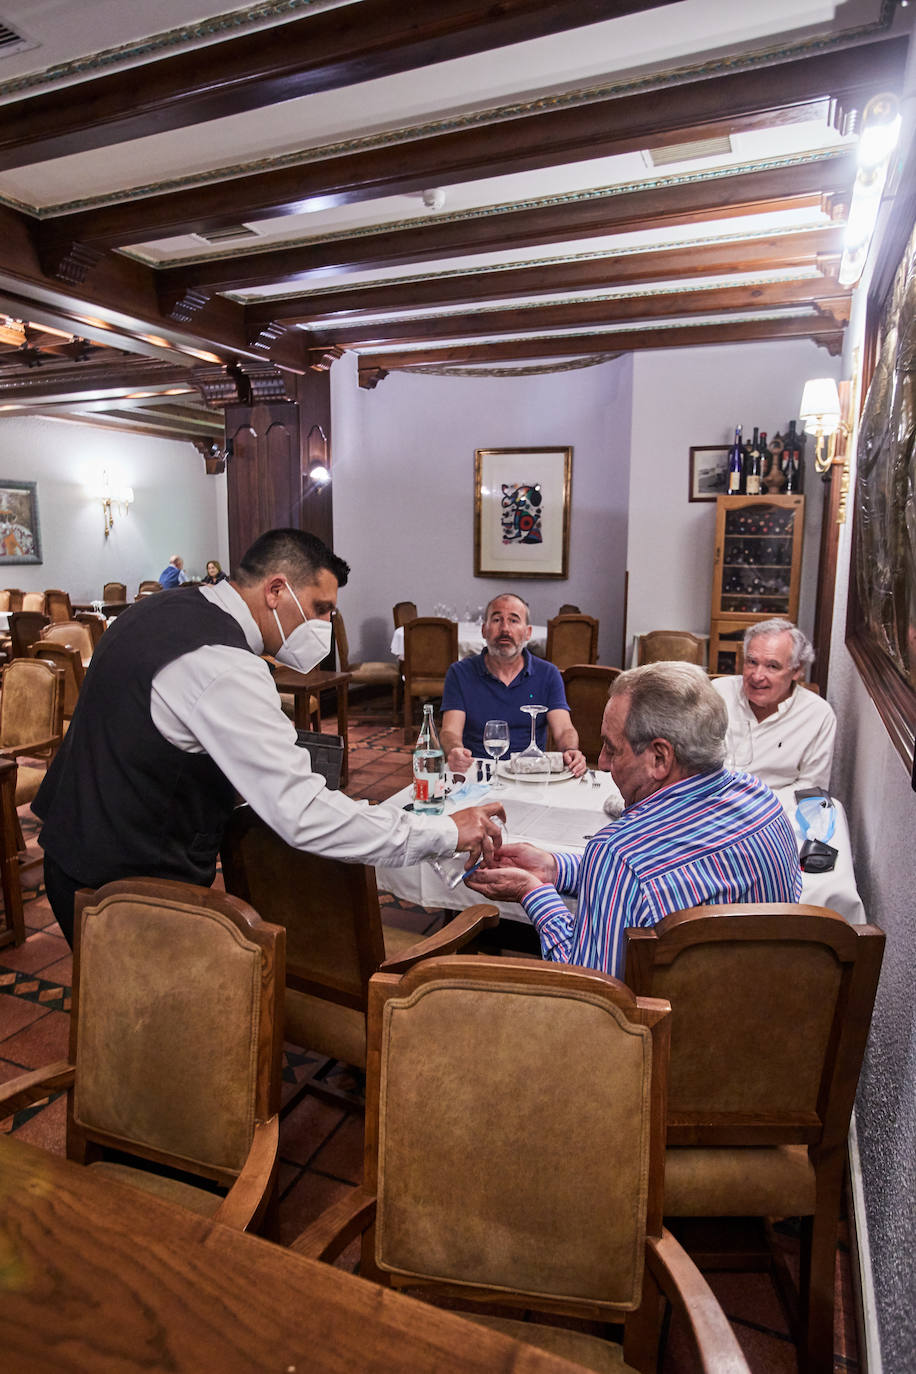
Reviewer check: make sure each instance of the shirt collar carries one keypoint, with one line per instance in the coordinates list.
(525, 670)
(224, 595)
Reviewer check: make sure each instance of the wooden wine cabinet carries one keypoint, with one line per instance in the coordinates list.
(756, 570)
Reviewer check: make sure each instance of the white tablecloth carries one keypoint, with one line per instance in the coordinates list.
(5, 622)
(470, 640)
(422, 885)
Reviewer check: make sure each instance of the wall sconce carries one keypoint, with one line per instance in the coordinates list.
(820, 415)
(122, 497)
(877, 141)
(317, 462)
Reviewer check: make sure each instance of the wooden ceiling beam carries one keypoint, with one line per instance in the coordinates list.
(811, 247)
(621, 341)
(720, 104)
(800, 186)
(321, 52)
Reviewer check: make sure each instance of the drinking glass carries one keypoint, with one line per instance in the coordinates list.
(496, 743)
(534, 761)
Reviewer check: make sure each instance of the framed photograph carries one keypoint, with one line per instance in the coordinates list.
(20, 536)
(708, 472)
(521, 512)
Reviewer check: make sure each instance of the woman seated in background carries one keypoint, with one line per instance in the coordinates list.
(215, 573)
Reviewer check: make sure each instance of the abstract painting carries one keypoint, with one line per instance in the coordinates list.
(521, 512)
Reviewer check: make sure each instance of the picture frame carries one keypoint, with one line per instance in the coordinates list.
(20, 532)
(708, 472)
(521, 512)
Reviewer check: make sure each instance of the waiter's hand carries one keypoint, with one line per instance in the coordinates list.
(459, 759)
(575, 761)
(479, 831)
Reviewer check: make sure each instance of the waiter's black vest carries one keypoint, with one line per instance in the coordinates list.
(119, 801)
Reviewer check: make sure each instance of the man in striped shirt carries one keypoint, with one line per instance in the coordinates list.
(692, 832)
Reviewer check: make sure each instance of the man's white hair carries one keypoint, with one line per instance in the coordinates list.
(802, 648)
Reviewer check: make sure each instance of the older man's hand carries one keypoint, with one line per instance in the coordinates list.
(479, 830)
(503, 884)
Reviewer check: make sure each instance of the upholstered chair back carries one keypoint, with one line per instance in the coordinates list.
(4, 600)
(148, 586)
(72, 633)
(173, 1028)
(15, 596)
(57, 605)
(114, 591)
(662, 646)
(402, 611)
(25, 628)
(30, 703)
(70, 664)
(514, 1131)
(34, 601)
(430, 647)
(572, 639)
(587, 686)
(95, 624)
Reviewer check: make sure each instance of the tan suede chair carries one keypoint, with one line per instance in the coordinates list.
(13, 929)
(366, 674)
(335, 938)
(147, 587)
(664, 646)
(568, 608)
(34, 602)
(31, 719)
(174, 1045)
(430, 648)
(587, 686)
(771, 1008)
(70, 664)
(514, 1154)
(57, 605)
(572, 639)
(15, 596)
(25, 628)
(114, 591)
(402, 611)
(73, 634)
(95, 624)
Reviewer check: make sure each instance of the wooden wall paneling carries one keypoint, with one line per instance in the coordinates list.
(263, 471)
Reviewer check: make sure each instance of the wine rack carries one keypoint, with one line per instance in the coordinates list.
(757, 570)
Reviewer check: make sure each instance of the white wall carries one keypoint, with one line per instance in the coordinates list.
(403, 459)
(177, 507)
(692, 397)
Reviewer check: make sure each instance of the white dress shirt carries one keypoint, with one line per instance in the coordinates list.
(791, 748)
(223, 702)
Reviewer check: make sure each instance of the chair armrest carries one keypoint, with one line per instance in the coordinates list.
(460, 931)
(330, 1234)
(32, 1087)
(31, 747)
(247, 1199)
(683, 1284)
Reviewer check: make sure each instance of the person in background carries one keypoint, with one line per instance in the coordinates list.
(497, 683)
(178, 713)
(214, 573)
(777, 729)
(692, 833)
(173, 573)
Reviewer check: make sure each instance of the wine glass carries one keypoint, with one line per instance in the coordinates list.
(533, 761)
(496, 743)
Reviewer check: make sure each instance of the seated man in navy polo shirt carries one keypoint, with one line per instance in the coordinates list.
(496, 684)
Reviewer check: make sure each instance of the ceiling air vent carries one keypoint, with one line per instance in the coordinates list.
(688, 152)
(231, 234)
(12, 42)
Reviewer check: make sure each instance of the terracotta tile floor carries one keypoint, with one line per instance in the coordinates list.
(321, 1145)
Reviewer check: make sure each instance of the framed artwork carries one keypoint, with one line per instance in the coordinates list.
(20, 536)
(708, 472)
(521, 512)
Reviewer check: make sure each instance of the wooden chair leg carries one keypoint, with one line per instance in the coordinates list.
(818, 1275)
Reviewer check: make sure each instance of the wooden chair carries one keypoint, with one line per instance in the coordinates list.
(174, 1046)
(335, 937)
(367, 674)
(34, 602)
(57, 605)
(402, 611)
(11, 599)
(430, 648)
(528, 1176)
(572, 639)
(68, 660)
(71, 633)
(115, 591)
(25, 628)
(569, 609)
(147, 587)
(587, 686)
(13, 929)
(771, 1008)
(662, 646)
(95, 624)
(31, 719)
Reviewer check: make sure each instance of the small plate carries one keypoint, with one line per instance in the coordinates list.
(505, 771)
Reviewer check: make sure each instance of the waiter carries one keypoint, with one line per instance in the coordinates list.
(178, 713)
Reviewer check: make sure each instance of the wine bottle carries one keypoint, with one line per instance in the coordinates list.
(753, 468)
(736, 465)
(792, 462)
(428, 768)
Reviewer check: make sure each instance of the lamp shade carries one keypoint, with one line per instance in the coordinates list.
(820, 406)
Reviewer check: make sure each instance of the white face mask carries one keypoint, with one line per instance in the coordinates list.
(308, 644)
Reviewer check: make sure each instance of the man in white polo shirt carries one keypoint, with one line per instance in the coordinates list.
(777, 729)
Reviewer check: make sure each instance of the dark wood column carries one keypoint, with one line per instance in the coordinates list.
(264, 471)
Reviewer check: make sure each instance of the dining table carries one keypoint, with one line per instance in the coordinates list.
(563, 815)
(470, 639)
(98, 1277)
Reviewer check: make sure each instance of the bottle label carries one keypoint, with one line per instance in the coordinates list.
(753, 484)
(734, 483)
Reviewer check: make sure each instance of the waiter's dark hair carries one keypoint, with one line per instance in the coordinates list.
(295, 554)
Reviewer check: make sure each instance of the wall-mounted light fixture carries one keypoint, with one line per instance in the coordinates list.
(317, 461)
(877, 141)
(820, 415)
(122, 497)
